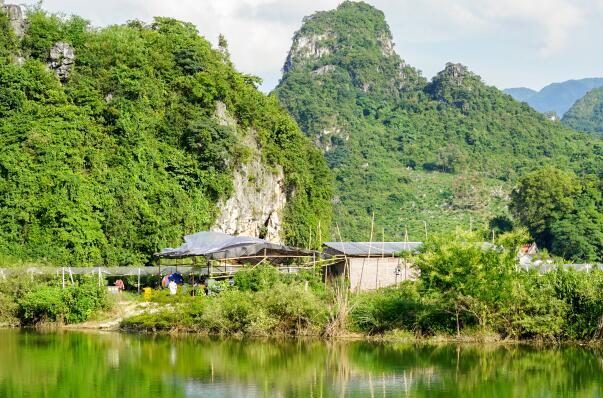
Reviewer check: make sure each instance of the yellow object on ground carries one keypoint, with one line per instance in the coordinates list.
(147, 293)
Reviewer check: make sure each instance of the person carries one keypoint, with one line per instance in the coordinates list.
(173, 287)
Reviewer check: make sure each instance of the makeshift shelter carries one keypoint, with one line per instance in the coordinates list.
(225, 254)
(371, 265)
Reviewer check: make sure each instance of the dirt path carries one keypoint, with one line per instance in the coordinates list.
(112, 319)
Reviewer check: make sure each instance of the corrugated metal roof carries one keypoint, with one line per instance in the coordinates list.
(375, 248)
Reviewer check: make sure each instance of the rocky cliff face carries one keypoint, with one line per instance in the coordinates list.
(259, 197)
(61, 60)
(15, 15)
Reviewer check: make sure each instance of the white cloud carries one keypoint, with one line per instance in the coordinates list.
(553, 21)
(259, 32)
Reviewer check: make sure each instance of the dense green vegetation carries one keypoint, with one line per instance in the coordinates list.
(41, 300)
(445, 152)
(466, 290)
(563, 212)
(587, 113)
(127, 155)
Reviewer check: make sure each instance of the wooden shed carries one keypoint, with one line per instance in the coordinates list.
(371, 265)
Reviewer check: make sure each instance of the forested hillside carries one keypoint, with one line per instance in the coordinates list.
(587, 113)
(440, 153)
(110, 148)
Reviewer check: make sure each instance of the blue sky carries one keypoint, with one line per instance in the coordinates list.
(508, 42)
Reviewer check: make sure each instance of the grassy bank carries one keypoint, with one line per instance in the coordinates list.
(465, 292)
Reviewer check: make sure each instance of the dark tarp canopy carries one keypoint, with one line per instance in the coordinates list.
(220, 246)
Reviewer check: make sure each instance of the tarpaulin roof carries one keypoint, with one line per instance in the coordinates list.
(372, 248)
(219, 246)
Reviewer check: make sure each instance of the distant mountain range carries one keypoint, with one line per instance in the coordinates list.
(556, 97)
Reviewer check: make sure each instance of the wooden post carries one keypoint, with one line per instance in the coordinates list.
(63, 277)
(319, 243)
(369, 254)
(138, 280)
(382, 257)
(425, 225)
(345, 255)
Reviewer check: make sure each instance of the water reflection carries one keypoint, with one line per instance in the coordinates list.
(68, 364)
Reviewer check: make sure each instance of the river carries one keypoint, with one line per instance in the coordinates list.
(80, 364)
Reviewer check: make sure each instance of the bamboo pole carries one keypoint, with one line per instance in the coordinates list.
(369, 253)
(382, 257)
(406, 248)
(345, 255)
(425, 225)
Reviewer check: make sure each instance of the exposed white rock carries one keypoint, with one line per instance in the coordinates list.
(61, 60)
(387, 44)
(307, 47)
(323, 70)
(259, 197)
(325, 142)
(15, 15)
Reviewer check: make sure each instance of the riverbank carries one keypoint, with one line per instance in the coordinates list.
(465, 293)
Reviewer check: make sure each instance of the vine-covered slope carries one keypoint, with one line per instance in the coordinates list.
(123, 154)
(587, 113)
(416, 153)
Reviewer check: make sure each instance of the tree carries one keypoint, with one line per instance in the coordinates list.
(468, 278)
(564, 213)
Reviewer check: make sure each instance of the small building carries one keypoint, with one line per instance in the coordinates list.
(371, 265)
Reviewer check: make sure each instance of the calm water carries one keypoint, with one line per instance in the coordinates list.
(73, 364)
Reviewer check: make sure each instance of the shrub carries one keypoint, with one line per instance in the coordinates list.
(387, 309)
(83, 300)
(9, 310)
(295, 309)
(44, 304)
(230, 312)
(73, 304)
(260, 277)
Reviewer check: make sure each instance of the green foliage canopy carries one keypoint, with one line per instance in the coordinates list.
(563, 212)
(127, 156)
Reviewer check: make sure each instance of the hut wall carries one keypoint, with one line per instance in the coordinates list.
(379, 272)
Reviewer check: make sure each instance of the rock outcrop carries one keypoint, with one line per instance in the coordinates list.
(15, 15)
(259, 196)
(61, 60)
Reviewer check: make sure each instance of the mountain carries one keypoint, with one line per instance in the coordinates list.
(417, 154)
(116, 142)
(587, 113)
(556, 97)
(522, 94)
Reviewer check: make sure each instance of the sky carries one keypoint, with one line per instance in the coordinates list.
(509, 43)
